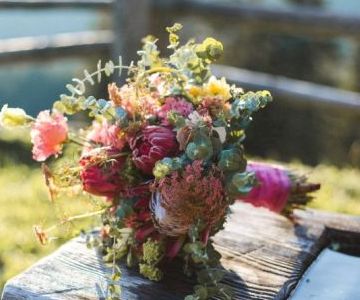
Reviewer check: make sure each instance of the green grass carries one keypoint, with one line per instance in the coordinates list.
(24, 202)
(340, 188)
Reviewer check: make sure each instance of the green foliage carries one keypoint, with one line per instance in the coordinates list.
(240, 183)
(114, 288)
(153, 251)
(76, 101)
(151, 272)
(206, 261)
(245, 105)
(232, 159)
(166, 166)
(173, 37)
(210, 50)
(201, 147)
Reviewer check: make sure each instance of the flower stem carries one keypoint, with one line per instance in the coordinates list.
(75, 218)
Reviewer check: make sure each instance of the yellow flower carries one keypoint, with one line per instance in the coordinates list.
(217, 88)
(12, 117)
(195, 92)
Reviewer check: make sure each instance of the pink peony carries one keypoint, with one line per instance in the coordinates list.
(152, 144)
(107, 135)
(274, 187)
(177, 105)
(48, 133)
(101, 172)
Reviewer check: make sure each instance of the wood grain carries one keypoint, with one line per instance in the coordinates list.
(31, 4)
(264, 254)
(305, 19)
(62, 44)
(299, 91)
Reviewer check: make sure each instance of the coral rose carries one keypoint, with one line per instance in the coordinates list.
(152, 144)
(48, 133)
(101, 172)
(107, 135)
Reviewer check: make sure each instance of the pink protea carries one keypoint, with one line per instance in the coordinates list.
(107, 134)
(174, 104)
(183, 198)
(277, 187)
(48, 133)
(152, 144)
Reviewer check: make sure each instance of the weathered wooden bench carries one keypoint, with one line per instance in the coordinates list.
(265, 255)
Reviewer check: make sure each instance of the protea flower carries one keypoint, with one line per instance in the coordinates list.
(278, 188)
(183, 198)
(101, 172)
(152, 144)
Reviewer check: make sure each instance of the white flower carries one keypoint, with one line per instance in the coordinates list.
(13, 117)
(194, 119)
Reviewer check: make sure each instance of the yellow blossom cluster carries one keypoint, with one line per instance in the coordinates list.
(214, 88)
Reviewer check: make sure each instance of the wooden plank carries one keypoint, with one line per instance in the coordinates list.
(55, 4)
(62, 44)
(291, 89)
(311, 19)
(264, 253)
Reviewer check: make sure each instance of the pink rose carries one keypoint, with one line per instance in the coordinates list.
(48, 133)
(152, 144)
(101, 173)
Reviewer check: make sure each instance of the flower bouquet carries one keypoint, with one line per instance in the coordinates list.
(165, 152)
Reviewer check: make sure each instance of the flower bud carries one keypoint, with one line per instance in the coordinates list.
(13, 117)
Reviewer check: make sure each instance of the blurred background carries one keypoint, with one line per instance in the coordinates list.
(306, 52)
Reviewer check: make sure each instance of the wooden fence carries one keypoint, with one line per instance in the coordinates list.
(128, 30)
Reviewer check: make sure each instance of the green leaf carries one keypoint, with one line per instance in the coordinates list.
(79, 85)
(88, 77)
(120, 66)
(72, 89)
(109, 68)
(116, 276)
(99, 71)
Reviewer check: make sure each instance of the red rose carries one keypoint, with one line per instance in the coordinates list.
(101, 171)
(152, 144)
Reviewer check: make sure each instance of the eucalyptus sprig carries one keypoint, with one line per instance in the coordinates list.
(207, 265)
(76, 101)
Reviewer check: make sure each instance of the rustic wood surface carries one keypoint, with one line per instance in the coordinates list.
(264, 253)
